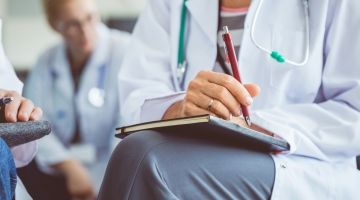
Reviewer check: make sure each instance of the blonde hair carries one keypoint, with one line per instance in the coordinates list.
(52, 9)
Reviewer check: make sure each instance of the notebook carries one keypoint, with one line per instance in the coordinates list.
(211, 126)
(18, 133)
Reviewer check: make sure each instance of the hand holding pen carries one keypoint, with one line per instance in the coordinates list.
(229, 48)
(216, 94)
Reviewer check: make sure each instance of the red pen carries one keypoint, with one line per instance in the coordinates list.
(229, 48)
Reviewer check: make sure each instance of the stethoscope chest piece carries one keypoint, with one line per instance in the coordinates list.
(180, 71)
(96, 97)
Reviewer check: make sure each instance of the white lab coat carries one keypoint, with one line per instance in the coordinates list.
(23, 154)
(315, 107)
(50, 85)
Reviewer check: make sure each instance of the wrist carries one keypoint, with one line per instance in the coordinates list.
(65, 167)
(174, 111)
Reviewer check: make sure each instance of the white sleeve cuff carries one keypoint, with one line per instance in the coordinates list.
(280, 130)
(51, 152)
(23, 154)
(154, 109)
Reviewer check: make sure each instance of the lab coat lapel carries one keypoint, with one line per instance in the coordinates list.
(202, 18)
(64, 86)
(200, 11)
(99, 58)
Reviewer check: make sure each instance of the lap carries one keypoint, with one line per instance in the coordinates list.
(187, 168)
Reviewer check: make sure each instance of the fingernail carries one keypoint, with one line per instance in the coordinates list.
(249, 100)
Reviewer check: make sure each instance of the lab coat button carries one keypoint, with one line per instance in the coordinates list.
(283, 166)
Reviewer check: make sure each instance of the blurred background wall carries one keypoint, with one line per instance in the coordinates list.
(26, 33)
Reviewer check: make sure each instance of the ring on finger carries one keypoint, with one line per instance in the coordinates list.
(210, 104)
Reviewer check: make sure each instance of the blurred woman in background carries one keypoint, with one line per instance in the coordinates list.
(75, 84)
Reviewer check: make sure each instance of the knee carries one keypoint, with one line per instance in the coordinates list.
(136, 145)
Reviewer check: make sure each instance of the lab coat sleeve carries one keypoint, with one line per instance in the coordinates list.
(148, 56)
(161, 104)
(330, 129)
(22, 154)
(51, 150)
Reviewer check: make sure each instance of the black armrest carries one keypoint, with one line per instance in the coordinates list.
(23, 132)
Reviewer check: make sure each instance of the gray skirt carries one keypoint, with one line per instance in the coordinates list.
(153, 165)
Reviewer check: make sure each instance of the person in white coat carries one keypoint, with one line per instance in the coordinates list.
(75, 82)
(20, 109)
(310, 96)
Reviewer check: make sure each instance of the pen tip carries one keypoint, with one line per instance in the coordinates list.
(248, 121)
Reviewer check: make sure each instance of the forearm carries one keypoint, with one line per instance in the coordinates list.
(65, 166)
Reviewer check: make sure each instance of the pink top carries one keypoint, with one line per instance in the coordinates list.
(235, 10)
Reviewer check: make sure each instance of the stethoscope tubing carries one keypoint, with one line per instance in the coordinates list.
(182, 65)
(101, 79)
(269, 52)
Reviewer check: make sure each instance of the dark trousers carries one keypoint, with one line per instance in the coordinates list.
(42, 186)
(152, 165)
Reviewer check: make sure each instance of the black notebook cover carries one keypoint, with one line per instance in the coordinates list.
(210, 126)
(18, 133)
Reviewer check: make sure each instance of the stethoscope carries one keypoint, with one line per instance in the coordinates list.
(96, 95)
(181, 61)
